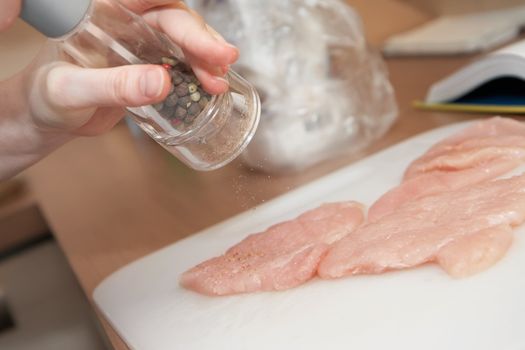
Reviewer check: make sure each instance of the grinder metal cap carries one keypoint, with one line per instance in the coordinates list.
(54, 18)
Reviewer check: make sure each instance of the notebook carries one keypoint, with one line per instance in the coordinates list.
(459, 34)
(492, 84)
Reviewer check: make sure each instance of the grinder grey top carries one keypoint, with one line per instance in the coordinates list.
(54, 18)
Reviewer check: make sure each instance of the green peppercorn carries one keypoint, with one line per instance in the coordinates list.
(167, 60)
(195, 97)
(192, 88)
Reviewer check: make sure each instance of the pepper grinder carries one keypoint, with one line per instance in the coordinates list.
(205, 132)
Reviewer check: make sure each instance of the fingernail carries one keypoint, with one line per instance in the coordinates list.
(232, 46)
(221, 79)
(236, 52)
(152, 83)
(220, 71)
(221, 40)
(215, 34)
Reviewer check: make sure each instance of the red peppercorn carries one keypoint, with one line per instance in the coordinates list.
(167, 66)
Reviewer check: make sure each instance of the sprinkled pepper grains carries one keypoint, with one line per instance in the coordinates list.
(186, 98)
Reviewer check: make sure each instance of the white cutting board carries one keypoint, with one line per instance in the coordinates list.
(415, 309)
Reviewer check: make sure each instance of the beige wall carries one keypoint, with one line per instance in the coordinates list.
(382, 18)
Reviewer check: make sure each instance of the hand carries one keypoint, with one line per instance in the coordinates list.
(95, 104)
(52, 101)
(9, 10)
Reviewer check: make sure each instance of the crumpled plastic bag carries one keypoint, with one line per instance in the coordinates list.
(323, 92)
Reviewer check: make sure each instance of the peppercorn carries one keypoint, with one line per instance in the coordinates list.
(195, 97)
(169, 61)
(184, 101)
(180, 113)
(181, 90)
(192, 87)
(176, 78)
(194, 109)
(186, 98)
(171, 100)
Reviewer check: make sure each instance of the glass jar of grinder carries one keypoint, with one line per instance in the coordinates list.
(204, 131)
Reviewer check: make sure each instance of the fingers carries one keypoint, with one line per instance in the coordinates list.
(211, 77)
(9, 11)
(66, 97)
(141, 6)
(205, 49)
(72, 87)
(101, 122)
(186, 28)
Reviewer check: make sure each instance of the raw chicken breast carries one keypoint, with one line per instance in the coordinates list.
(283, 256)
(476, 252)
(478, 153)
(437, 182)
(480, 135)
(465, 231)
(472, 153)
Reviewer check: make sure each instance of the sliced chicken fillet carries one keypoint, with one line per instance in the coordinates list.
(283, 256)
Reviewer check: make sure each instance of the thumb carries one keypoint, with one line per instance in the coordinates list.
(72, 87)
(65, 96)
(9, 11)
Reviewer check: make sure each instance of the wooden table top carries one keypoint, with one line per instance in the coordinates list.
(112, 199)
